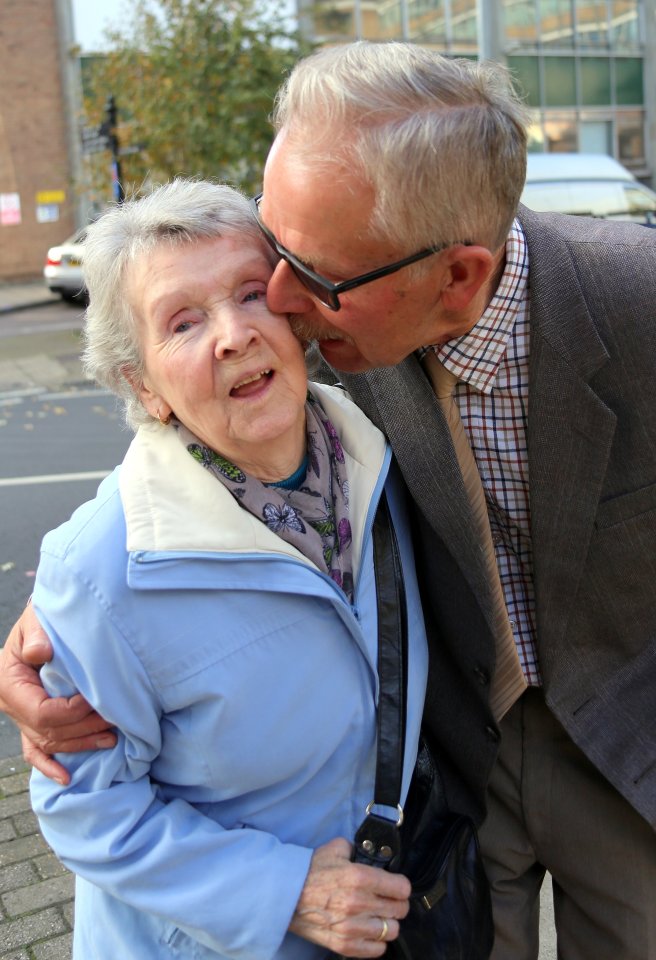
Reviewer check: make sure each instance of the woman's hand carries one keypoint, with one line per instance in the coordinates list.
(47, 725)
(347, 907)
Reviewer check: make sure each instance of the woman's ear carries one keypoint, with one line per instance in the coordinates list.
(468, 270)
(154, 405)
(152, 402)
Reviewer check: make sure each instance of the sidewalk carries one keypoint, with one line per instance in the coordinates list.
(36, 891)
(56, 364)
(24, 294)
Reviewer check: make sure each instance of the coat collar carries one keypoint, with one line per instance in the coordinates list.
(172, 504)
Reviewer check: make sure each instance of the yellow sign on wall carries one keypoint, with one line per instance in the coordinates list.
(50, 196)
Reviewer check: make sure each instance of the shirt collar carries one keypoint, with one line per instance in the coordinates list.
(475, 357)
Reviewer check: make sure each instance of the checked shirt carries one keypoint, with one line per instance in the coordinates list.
(491, 363)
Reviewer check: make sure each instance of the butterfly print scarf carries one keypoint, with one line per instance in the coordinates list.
(314, 517)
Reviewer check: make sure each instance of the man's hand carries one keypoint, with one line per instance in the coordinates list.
(347, 907)
(47, 726)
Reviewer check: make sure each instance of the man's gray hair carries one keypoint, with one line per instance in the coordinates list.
(442, 141)
(180, 212)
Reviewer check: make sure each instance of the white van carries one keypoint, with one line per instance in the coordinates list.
(587, 184)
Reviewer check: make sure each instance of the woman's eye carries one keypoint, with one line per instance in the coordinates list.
(254, 295)
(181, 326)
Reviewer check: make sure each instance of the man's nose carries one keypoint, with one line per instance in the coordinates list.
(286, 293)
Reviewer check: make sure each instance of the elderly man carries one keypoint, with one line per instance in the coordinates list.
(509, 357)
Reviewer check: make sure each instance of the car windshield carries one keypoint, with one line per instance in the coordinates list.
(596, 198)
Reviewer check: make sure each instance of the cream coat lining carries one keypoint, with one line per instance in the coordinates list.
(172, 504)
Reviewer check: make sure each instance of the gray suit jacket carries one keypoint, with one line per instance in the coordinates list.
(592, 471)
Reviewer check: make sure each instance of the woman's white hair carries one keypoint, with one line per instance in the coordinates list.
(442, 141)
(180, 212)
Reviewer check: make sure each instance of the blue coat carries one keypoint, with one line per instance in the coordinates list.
(243, 686)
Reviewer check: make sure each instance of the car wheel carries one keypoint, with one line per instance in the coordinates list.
(78, 298)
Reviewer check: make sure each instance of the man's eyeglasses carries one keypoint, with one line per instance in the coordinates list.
(325, 290)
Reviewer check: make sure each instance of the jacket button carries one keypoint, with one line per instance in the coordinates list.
(492, 734)
(482, 676)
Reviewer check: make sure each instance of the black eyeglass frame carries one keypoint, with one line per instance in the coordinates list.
(323, 289)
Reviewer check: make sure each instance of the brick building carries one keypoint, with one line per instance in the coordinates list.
(37, 200)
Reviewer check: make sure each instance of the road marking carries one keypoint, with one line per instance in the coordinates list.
(54, 478)
(12, 397)
(79, 394)
(24, 392)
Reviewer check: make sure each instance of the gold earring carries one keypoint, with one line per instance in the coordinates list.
(165, 421)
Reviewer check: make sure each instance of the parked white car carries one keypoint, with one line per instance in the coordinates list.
(63, 268)
(587, 184)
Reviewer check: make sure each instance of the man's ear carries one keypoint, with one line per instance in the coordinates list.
(468, 270)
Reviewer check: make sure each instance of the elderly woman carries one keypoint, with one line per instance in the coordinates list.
(216, 602)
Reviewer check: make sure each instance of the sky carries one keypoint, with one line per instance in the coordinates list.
(91, 17)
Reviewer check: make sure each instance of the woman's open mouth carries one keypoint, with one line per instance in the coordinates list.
(251, 385)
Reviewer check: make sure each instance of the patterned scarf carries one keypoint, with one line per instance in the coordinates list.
(314, 516)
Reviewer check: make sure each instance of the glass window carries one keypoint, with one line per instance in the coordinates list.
(382, 21)
(556, 23)
(592, 23)
(427, 22)
(536, 143)
(333, 20)
(596, 136)
(595, 81)
(560, 134)
(624, 24)
(628, 81)
(559, 82)
(526, 72)
(520, 23)
(464, 25)
(630, 127)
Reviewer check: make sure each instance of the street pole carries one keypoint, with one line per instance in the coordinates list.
(110, 114)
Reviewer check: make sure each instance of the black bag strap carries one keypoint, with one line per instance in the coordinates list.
(392, 659)
(377, 841)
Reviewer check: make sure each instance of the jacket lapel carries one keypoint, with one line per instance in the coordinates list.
(405, 407)
(570, 431)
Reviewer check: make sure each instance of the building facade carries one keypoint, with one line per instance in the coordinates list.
(587, 68)
(37, 199)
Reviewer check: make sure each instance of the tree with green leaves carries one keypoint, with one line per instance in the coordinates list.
(194, 82)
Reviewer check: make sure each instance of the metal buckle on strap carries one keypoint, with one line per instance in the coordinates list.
(399, 809)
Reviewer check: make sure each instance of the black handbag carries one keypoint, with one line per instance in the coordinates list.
(450, 915)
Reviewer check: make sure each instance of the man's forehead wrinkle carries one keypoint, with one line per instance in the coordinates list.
(312, 155)
(341, 181)
(328, 217)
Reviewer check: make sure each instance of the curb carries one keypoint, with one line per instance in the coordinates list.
(15, 307)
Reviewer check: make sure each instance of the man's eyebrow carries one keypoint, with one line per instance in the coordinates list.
(309, 262)
(316, 263)
(306, 261)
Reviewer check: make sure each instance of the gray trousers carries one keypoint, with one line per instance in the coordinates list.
(550, 809)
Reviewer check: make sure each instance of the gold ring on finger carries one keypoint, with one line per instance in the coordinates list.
(383, 933)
